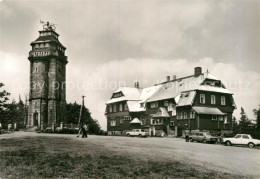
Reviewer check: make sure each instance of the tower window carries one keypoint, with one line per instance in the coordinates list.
(59, 69)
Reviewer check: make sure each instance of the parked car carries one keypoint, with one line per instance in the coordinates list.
(241, 139)
(204, 137)
(137, 132)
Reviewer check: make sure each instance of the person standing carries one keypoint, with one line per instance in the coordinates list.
(9, 128)
(187, 136)
(84, 131)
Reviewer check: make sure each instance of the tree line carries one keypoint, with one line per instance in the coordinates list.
(17, 112)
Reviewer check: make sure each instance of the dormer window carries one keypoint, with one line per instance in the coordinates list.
(116, 95)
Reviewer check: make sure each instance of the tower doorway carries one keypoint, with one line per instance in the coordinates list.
(35, 119)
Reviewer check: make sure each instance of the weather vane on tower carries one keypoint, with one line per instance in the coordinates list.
(48, 25)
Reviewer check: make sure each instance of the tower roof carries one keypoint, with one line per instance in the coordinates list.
(48, 34)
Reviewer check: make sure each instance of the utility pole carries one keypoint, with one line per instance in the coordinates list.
(25, 110)
(80, 114)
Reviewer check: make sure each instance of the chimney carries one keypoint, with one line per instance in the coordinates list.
(197, 71)
(168, 78)
(174, 77)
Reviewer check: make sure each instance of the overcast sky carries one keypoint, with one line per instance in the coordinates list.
(112, 43)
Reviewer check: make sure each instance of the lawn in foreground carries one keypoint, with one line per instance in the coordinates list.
(46, 157)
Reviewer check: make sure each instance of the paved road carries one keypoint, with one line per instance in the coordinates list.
(235, 160)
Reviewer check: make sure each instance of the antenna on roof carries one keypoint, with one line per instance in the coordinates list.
(48, 25)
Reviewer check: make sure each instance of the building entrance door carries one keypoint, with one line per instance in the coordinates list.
(35, 119)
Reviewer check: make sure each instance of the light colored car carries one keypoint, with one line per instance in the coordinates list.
(137, 132)
(204, 137)
(241, 139)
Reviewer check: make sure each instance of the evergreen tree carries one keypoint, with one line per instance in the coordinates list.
(3, 103)
(235, 126)
(257, 114)
(245, 125)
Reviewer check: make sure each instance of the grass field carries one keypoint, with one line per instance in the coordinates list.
(48, 156)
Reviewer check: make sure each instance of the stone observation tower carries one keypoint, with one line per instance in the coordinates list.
(47, 99)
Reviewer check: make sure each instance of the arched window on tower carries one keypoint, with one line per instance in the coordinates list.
(59, 69)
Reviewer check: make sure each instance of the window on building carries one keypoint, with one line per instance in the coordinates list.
(181, 116)
(214, 117)
(171, 123)
(202, 98)
(36, 70)
(223, 100)
(185, 115)
(47, 45)
(37, 46)
(170, 106)
(121, 120)
(225, 119)
(220, 118)
(157, 121)
(113, 122)
(125, 107)
(41, 45)
(173, 109)
(117, 95)
(114, 108)
(127, 118)
(192, 114)
(213, 99)
(110, 108)
(154, 105)
(142, 119)
(165, 103)
(120, 107)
